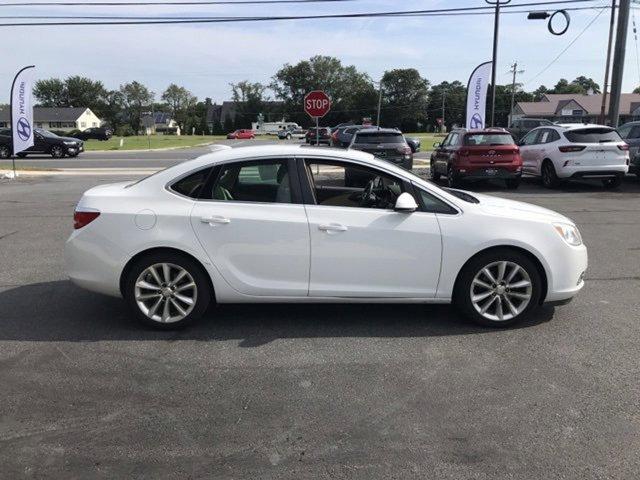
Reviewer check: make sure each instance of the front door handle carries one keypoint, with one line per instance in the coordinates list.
(332, 227)
(215, 220)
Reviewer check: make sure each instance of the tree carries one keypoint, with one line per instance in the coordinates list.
(228, 124)
(135, 97)
(352, 93)
(50, 93)
(250, 101)
(539, 92)
(405, 96)
(180, 101)
(563, 86)
(587, 84)
(455, 97)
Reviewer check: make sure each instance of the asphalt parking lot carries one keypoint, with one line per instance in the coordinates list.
(329, 391)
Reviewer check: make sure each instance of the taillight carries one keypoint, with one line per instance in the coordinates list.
(572, 148)
(406, 150)
(624, 146)
(82, 219)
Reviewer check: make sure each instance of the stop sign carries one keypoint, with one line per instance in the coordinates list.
(317, 104)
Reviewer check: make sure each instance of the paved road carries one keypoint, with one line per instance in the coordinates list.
(329, 391)
(141, 159)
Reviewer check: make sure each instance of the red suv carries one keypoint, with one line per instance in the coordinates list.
(323, 133)
(477, 155)
(242, 134)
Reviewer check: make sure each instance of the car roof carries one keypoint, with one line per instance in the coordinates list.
(481, 130)
(380, 130)
(579, 126)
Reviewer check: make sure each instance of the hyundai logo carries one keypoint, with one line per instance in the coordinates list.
(476, 121)
(23, 127)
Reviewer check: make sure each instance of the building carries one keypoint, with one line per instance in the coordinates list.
(576, 108)
(160, 123)
(62, 119)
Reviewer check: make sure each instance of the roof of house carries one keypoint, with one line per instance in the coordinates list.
(553, 103)
(48, 114)
(159, 118)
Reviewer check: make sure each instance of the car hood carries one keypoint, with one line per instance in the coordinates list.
(504, 207)
(70, 139)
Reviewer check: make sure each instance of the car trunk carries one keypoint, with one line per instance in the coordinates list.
(489, 154)
(596, 146)
(386, 151)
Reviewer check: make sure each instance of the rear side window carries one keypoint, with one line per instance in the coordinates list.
(593, 135)
(191, 186)
(488, 139)
(377, 137)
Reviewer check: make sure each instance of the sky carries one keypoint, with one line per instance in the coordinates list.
(207, 58)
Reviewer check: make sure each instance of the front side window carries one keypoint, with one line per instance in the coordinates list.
(433, 204)
(530, 138)
(256, 181)
(341, 184)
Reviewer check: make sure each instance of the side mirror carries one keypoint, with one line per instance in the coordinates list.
(405, 203)
(436, 144)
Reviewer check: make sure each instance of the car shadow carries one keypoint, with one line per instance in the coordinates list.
(60, 311)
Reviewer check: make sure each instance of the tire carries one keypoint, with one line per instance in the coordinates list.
(614, 182)
(471, 297)
(408, 165)
(435, 176)
(549, 176)
(4, 151)
(452, 178)
(512, 184)
(171, 319)
(57, 151)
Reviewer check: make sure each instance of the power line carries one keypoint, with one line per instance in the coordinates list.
(178, 20)
(172, 3)
(568, 46)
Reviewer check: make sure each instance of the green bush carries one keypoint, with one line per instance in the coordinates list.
(124, 131)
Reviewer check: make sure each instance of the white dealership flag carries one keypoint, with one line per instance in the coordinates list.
(22, 110)
(477, 96)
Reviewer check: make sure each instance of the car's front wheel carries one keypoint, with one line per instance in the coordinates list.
(4, 151)
(498, 288)
(452, 177)
(167, 290)
(57, 151)
(435, 176)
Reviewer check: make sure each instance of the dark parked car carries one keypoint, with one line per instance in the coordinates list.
(630, 133)
(323, 134)
(414, 144)
(94, 133)
(521, 126)
(344, 135)
(477, 155)
(47, 142)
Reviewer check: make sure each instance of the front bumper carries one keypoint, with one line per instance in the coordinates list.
(568, 267)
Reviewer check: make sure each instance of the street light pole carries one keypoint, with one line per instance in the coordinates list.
(496, 26)
(618, 61)
(607, 68)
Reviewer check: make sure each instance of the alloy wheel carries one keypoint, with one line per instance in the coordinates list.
(56, 152)
(501, 290)
(165, 292)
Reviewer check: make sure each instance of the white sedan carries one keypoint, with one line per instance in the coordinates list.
(278, 224)
(575, 151)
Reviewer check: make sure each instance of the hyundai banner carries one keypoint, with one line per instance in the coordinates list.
(22, 110)
(477, 96)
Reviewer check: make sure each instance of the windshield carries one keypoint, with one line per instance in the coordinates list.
(488, 139)
(46, 133)
(593, 135)
(379, 137)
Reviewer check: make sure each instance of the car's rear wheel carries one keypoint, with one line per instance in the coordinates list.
(498, 288)
(57, 151)
(166, 290)
(549, 176)
(435, 176)
(452, 178)
(4, 151)
(512, 184)
(614, 182)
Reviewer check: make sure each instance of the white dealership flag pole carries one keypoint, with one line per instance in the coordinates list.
(477, 96)
(22, 112)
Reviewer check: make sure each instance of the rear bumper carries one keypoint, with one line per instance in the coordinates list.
(597, 174)
(485, 173)
(592, 171)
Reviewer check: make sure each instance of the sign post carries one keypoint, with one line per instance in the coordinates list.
(317, 104)
(21, 113)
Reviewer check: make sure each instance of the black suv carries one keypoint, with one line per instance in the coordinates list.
(97, 133)
(47, 142)
(385, 143)
(521, 126)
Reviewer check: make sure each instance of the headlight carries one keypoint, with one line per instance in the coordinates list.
(569, 233)
(69, 143)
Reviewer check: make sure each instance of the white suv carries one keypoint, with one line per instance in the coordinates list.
(575, 151)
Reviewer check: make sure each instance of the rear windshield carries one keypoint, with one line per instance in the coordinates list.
(379, 137)
(488, 139)
(593, 135)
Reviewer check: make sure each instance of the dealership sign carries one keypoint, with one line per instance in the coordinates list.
(477, 96)
(22, 110)
(317, 104)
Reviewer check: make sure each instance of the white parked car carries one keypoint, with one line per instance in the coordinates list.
(278, 224)
(575, 151)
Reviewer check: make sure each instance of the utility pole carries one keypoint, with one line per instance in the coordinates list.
(514, 70)
(379, 103)
(496, 25)
(618, 61)
(607, 68)
(444, 93)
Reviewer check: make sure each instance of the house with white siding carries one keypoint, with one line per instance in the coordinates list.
(63, 119)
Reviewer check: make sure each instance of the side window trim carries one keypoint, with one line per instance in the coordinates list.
(415, 191)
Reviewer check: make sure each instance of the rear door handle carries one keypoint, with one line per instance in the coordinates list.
(215, 220)
(332, 227)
